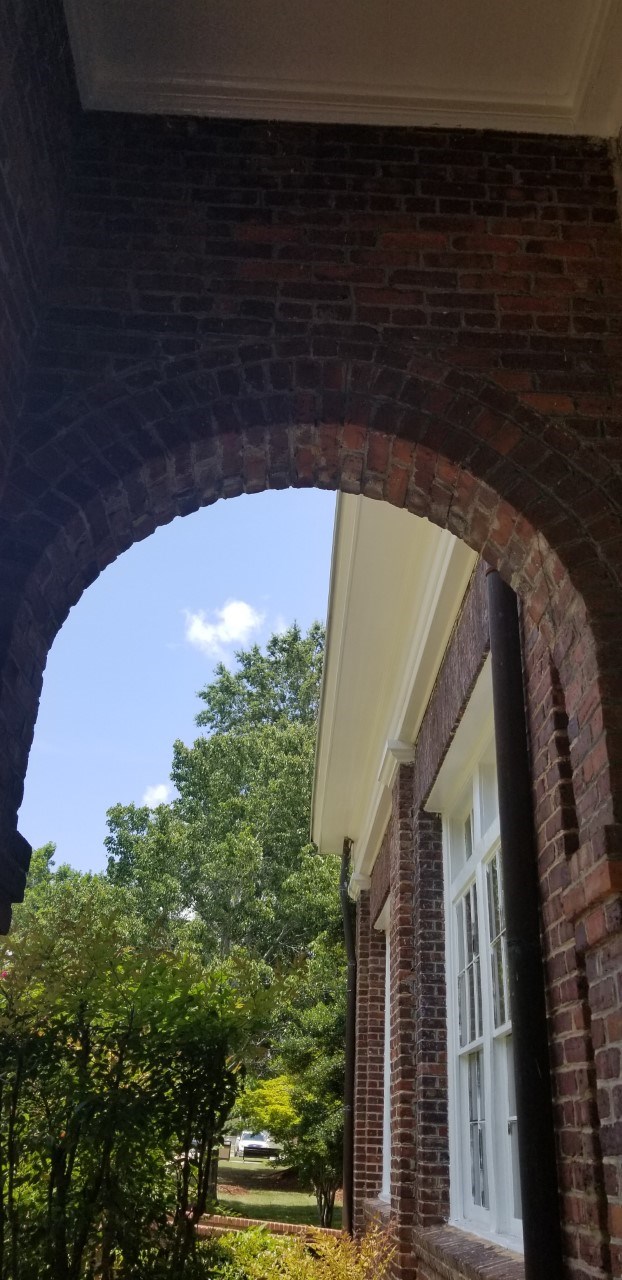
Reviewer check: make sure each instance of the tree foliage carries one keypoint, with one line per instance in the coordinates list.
(280, 686)
(119, 1063)
(132, 1004)
(232, 853)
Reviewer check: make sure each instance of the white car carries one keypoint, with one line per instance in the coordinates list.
(257, 1145)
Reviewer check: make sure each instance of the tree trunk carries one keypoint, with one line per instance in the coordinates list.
(325, 1197)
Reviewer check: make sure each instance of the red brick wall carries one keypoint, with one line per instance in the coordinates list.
(431, 318)
(419, 1141)
(430, 1015)
(404, 997)
(580, 999)
(424, 316)
(37, 117)
(582, 977)
(500, 249)
(37, 121)
(369, 1067)
(410, 863)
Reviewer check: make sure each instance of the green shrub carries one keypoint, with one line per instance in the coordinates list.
(258, 1255)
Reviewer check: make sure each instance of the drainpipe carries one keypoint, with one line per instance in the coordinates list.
(534, 1107)
(348, 1097)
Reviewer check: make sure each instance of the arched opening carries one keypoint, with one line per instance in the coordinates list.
(456, 449)
(121, 680)
(386, 423)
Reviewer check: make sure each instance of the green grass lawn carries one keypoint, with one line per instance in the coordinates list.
(255, 1189)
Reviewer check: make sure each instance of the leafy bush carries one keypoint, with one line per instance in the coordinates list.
(258, 1255)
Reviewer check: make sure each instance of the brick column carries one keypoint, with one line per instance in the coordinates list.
(420, 1163)
(403, 1025)
(430, 1013)
(582, 1027)
(369, 1070)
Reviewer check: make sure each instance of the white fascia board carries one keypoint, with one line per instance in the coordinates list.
(347, 517)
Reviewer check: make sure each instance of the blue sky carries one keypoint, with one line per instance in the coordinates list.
(123, 673)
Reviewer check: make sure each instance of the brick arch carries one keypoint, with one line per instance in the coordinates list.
(107, 469)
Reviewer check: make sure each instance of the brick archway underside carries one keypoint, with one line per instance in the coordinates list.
(107, 468)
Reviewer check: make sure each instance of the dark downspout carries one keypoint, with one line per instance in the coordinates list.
(348, 1094)
(534, 1107)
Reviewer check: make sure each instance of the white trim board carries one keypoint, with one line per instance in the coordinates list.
(589, 103)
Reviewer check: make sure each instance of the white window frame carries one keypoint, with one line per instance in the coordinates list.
(459, 792)
(383, 925)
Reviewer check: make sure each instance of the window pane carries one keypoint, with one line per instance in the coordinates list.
(496, 924)
(462, 1009)
(476, 969)
(460, 932)
(475, 922)
(477, 1129)
(498, 989)
(469, 927)
(478, 996)
(469, 974)
(488, 795)
(493, 899)
(513, 1130)
(468, 837)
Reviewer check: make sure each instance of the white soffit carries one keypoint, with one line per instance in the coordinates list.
(397, 583)
(552, 66)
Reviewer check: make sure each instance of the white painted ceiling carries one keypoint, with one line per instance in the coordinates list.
(545, 65)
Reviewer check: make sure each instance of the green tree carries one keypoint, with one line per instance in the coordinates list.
(310, 1050)
(232, 856)
(119, 1063)
(228, 868)
(301, 1103)
(267, 1104)
(280, 685)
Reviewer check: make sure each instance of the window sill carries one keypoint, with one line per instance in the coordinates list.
(378, 1210)
(456, 1253)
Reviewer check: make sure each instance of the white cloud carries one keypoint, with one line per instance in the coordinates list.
(157, 794)
(235, 624)
(281, 625)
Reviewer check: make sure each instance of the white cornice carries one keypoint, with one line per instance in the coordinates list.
(322, 104)
(590, 103)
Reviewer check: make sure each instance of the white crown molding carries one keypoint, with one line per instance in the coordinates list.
(593, 103)
(320, 104)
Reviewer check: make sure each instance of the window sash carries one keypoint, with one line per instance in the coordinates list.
(484, 1185)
